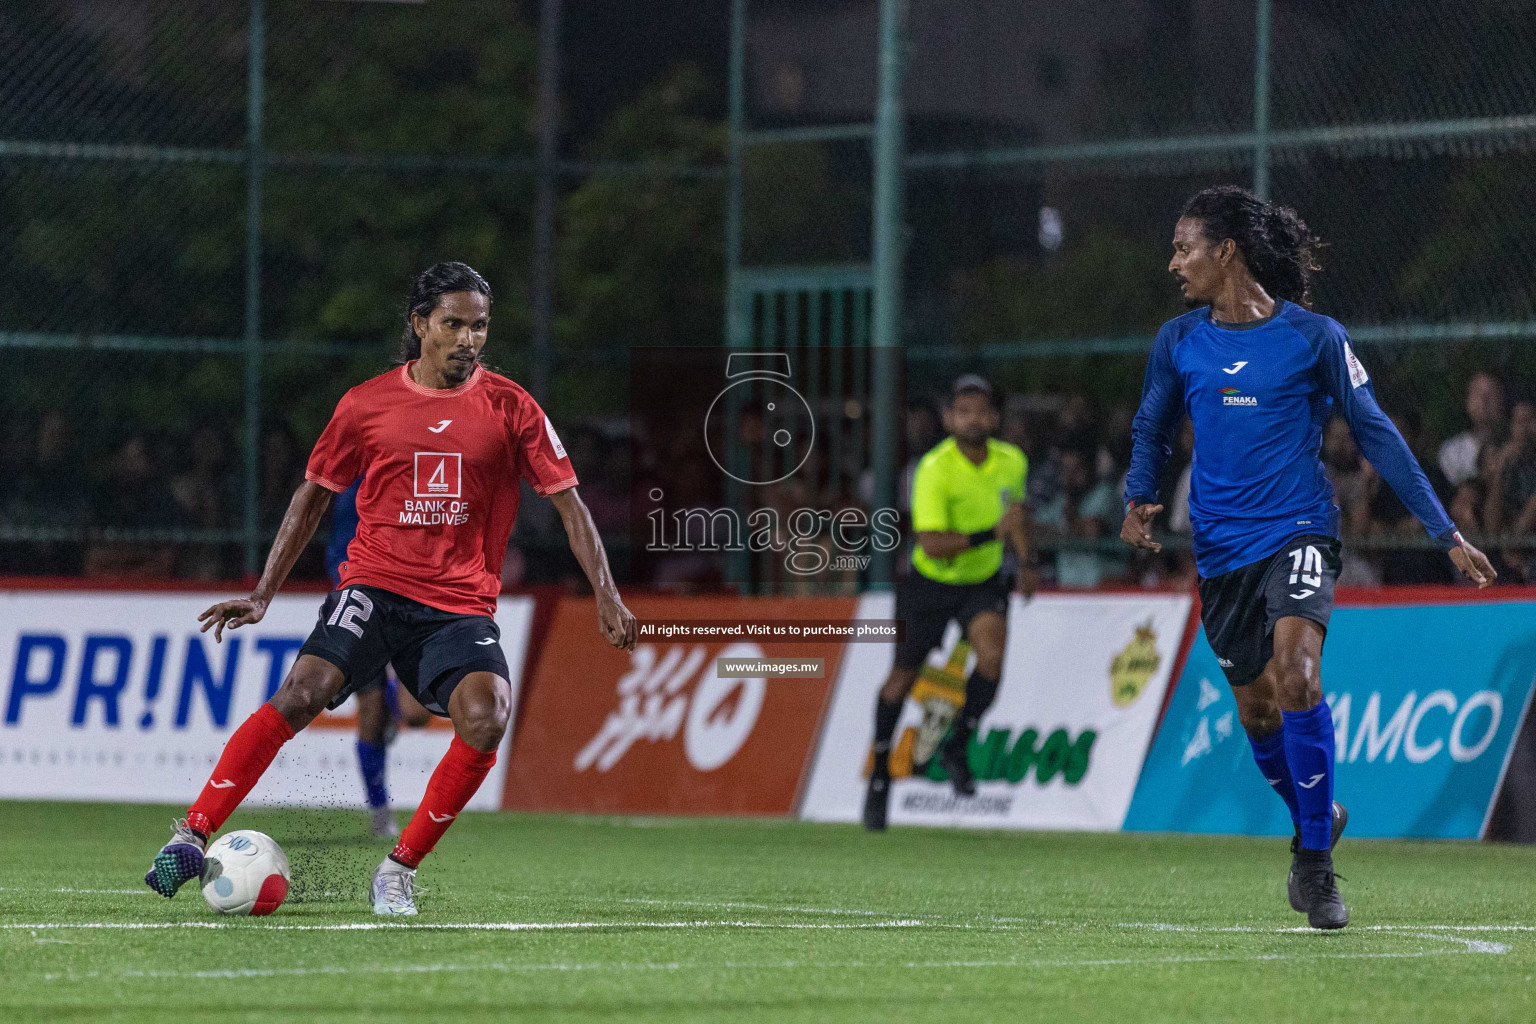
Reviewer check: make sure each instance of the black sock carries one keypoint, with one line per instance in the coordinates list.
(886, 713)
(980, 692)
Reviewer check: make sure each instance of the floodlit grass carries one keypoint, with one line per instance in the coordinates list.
(555, 918)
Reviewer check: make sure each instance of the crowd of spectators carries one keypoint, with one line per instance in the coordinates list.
(1485, 476)
(144, 505)
(152, 506)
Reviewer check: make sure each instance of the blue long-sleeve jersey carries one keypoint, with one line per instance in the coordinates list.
(343, 529)
(1259, 399)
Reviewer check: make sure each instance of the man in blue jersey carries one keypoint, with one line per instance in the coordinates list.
(1259, 376)
(381, 704)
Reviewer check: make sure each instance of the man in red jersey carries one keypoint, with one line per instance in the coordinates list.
(442, 443)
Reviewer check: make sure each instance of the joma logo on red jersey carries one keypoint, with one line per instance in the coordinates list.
(438, 474)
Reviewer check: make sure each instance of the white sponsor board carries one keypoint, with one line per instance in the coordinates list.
(117, 696)
(1083, 683)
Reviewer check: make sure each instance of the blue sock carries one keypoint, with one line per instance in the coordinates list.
(1269, 752)
(370, 757)
(1309, 751)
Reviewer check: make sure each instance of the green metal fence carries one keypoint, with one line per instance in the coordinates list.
(213, 209)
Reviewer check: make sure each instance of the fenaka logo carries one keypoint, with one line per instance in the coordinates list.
(439, 474)
(1232, 396)
(663, 694)
(1133, 667)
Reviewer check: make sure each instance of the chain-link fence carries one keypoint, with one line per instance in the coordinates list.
(1050, 148)
(213, 212)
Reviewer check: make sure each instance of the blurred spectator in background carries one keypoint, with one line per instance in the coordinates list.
(1512, 474)
(922, 435)
(132, 496)
(1114, 455)
(1387, 517)
(206, 494)
(1347, 472)
(282, 470)
(44, 487)
(1510, 506)
(610, 503)
(1078, 427)
(601, 468)
(1485, 408)
(1082, 509)
(49, 488)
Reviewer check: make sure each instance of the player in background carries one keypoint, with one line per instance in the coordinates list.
(441, 443)
(967, 499)
(1259, 376)
(381, 706)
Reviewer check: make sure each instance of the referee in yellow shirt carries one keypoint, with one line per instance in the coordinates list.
(967, 499)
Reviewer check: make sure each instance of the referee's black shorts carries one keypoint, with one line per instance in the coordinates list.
(925, 607)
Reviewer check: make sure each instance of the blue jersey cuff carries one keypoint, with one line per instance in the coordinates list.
(1450, 540)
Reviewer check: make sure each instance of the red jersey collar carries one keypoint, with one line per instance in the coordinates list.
(410, 382)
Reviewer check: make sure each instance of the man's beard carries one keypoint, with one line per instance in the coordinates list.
(1189, 300)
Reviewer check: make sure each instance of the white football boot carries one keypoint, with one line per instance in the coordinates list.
(394, 889)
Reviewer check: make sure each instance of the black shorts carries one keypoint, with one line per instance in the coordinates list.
(362, 629)
(1239, 609)
(925, 607)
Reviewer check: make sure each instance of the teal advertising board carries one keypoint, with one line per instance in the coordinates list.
(1427, 701)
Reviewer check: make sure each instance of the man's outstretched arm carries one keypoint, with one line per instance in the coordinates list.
(1162, 403)
(615, 620)
(309, 503)
(1347, 382)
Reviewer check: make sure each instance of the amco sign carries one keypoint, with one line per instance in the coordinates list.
(1427, 701)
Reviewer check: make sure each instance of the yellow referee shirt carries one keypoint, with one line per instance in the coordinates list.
(951, 494)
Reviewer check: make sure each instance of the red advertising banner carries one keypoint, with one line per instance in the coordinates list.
(656, 730)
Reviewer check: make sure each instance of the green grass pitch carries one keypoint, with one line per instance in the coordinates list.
(684, 920)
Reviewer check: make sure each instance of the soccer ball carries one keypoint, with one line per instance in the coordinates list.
(245, 872)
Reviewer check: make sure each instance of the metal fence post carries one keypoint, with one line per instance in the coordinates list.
(544, 197)
(889, 244)
(256, 52)
(1261, 102)
(736, 328)
(738, 324)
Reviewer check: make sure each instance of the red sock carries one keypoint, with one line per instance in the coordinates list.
(246, 756)
(455, 780)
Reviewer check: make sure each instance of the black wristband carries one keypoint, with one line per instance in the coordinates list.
(981, 537)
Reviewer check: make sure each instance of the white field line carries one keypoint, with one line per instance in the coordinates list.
(290, 972)
(1198, 929)
(891, 923)
(769, 906)
(493, 926)
(1473, 945)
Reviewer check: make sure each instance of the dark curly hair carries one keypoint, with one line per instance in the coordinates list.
(436, 281)
(1279, 249)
